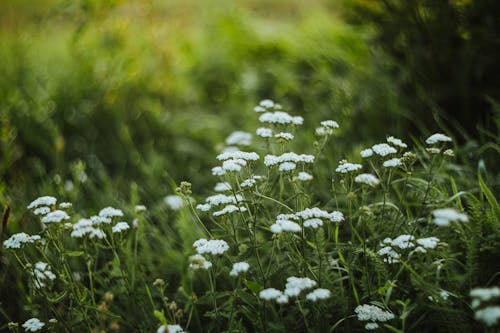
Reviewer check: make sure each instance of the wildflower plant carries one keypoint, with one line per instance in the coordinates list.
(289, 240)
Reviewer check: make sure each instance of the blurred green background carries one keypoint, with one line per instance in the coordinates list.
(101, 99)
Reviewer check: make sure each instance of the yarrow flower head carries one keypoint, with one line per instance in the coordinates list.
(365, 153)
(55, 216)
(198, 261)
(239, 267)
(42, 201)
(373, 314)
(443, 217)
(239, 138)
(119, 227)
(436, 138)
(346, 167)
(174, 202)
(295, 285)
(285, 136)
(170, 329)
(396, 142)
(367, 179)
(304, 176)
(222, 187)
(392, 163)
(42, 274)
(110, 212)
(270, 294)
(85, 227)
(264, 132)
(33, 325)
(140, 208)
(213, 246)
(17, 240)
(280, 117)
(383, 149)
(318, 294)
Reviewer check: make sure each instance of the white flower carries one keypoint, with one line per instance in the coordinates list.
(17, 240)
(238, 155)
(449, 153)
(271, 160)
(489, 315)
(287, 166)
(41, 210)
(42, 201)
(313, 223)
(170, 329)
(110, 212)
(41, 273)
(239, 267)
(284, 136)
(221, 199)
(259, 109)
(304, 176)
(329, 124)
(86, 227)
(383, 149)
(433, 151)
(233, 165)
(367, 312)
(248, 183)
(267, 103)
(371, 326)
(485, 294)
(239, 138)
(438, 137)
(65, 205)
(198, 261)
(429, 242)
(318, 294)
(282, 299)
(33, 325)
(55, 216)
(204, 207)
(366, 153)
(222, 187)
(229, 209)
(119, 227)
(140, 208)
(443, 217)
(392, 163)
(322, 131)
(284, 225)
(100, 219)
(174, 202)
(397, 142)
(295, 285)
(367, 179)
(310, 213)
(270, 294)
(346, 167)
(280, 117)
(264, 132)
(213, 246)
(218, 171)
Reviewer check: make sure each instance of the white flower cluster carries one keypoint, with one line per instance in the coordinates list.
(287, 161)
(264, 132)
(443, 217)
(119, 227)
(17, 240)
(33, 325)
(239, 138)
(213, 246)
(222, 187)
(346, 167)
(170, 329)
(367, 179)
(250, 182)
(327, 127)
(383, 149)
(391, 247)
(372, 314)
(266, 105)
(304, 176)
(42, 274)
(280, 117)
(489, 314)
(140, 208)
(85, 227)
(198, 261)
(285, 136)
(110, 212)
(46, 201)
(231, 202)
(239, 267)
(174, 202)
(365, 153)
(55, 216)
(294, 286)
(233, 161)
(392, 163)
(397, 142)
(436, 138)
(311, 217)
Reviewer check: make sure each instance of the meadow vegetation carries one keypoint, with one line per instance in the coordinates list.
(220, 167)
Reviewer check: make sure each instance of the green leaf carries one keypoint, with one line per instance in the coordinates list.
(253, 286)
(488, 194)
(74, 253)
